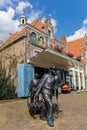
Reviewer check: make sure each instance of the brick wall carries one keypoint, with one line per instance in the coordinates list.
(11, 56)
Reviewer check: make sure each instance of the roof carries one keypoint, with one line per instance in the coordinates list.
(37, 24)
(76, 46)
(13, 37)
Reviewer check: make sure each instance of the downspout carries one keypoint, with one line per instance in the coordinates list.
(25, 40)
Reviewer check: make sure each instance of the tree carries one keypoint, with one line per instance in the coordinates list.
(7, 89)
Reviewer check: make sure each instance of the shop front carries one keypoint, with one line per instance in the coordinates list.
(68, 65)
(41, 62)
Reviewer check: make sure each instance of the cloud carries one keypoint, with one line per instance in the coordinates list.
(80, 32)
(54, 23)
(21, 6)
(85, 22)
(8, 17)
(34, 14)
(4, 3)
(7, 24)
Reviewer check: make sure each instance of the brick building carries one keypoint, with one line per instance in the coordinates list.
(36, 44)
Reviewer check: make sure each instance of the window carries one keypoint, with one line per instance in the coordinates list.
(41, 42)
(85, 69)
(86, 81)
(49, 33)
(23, 21)
(33, 38)
(86, 44)
(41, 39)
(86, 54)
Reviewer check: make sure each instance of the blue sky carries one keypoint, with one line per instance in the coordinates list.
(68, 16)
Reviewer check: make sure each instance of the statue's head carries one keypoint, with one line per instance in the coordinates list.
(36, 76)
(53, 70)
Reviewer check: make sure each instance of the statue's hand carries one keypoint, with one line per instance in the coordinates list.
(35, 97)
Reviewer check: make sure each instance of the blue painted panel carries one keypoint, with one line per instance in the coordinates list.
(25, 74)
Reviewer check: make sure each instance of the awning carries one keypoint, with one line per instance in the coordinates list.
(49, 58)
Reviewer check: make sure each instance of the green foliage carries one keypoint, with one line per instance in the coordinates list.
(7, 89)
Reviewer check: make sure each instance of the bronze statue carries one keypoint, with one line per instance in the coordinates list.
(33, 86)
(45, 86)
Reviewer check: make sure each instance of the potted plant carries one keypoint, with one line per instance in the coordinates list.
(60, 49)
(69, 54)
(78, 58)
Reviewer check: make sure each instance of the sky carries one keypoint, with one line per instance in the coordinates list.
(68, 17)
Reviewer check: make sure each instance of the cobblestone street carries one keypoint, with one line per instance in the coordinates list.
(72, 116)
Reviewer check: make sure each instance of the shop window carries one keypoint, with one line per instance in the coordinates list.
(76, 77)
(33, 38)
(81, 80)
(85, 69)
(86, 81)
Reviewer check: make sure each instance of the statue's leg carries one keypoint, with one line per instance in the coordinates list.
(43, 114)
(48, 102)
(50, 120)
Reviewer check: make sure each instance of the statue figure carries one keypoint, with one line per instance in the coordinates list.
(33, 86)
(46, 84)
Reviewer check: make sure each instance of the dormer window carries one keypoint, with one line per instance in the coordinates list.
(49, 33)
(43, 27)
(86, 44)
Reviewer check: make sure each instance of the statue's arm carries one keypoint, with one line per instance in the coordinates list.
(59, 82)
(40, 85)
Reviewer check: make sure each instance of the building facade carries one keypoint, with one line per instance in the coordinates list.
(36, 44)
(78, 47)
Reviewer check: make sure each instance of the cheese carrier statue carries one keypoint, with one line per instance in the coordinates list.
(45, 86)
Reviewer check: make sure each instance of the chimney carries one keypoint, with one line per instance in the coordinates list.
(63, 39)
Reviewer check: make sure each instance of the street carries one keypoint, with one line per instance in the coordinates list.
(72, 115)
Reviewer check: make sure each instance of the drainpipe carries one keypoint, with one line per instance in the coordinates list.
(25, 40)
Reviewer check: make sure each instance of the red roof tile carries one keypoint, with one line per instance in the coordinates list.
(75, 47)
(37, 24)
(13, 37)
